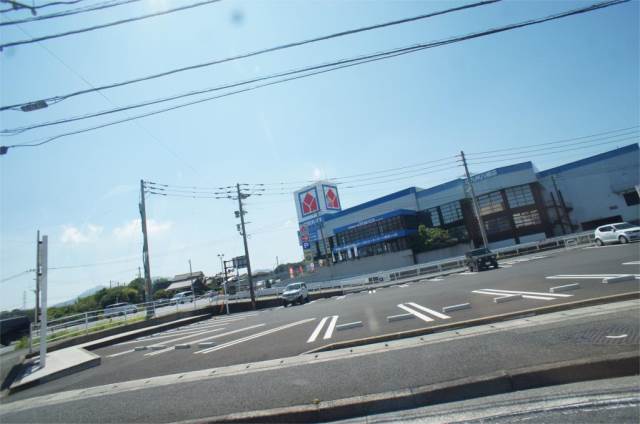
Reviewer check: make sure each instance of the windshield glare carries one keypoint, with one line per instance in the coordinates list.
(293, 287)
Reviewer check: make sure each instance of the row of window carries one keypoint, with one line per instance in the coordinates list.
(516, 197)
(520, 220)
(374, 249)
(376, 229)
(445, 214)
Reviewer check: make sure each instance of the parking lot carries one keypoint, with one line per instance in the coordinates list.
(282, 332)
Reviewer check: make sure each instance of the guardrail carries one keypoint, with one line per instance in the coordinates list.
(89, 321)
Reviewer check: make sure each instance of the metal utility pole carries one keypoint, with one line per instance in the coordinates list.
(36, 316)
(246, 247)
(476, 208)
(224, 283)
(43, 269)
(193, 293)
(145, 251)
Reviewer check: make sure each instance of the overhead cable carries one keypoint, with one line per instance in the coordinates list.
(63, 13)
(56, 99)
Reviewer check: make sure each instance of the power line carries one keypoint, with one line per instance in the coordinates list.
(110, 24)
(41, 6)
(554, 142)
(17, 275)
(257, 52)
(61, 14)
(352, 62)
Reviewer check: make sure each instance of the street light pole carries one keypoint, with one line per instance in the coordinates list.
(224, 283)
(246, 247)
(193, 293)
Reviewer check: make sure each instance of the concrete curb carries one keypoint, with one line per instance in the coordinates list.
(478, 321)
(566, 287)
(610, 366)
(456, 307)
(507, 298)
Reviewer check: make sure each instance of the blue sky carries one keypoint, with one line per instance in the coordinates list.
(562, 79)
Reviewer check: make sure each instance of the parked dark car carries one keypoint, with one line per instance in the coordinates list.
(480, 259)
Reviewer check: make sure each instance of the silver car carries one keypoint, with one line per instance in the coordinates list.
(621, 232)
(122, 308)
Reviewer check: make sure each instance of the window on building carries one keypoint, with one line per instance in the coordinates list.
(435, 218)
(451, 212)
(497, 225)
(526, 219)
(519, 196)
(490, 203)
(631, 198)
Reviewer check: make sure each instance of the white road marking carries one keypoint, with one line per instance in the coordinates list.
(528, 292)
(317, 330)
(467, 273)
(506, 295)
(217, 336)
(621, 336)
(120, 353)
(416, 313)
(340, 297)
(631, 263)
(330, 327)
(403, 286)
(587, 276)
(186, 337)
(429, 311)
(254, 336)
(436, 279)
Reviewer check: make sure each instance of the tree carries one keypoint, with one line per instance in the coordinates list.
(160, 284)
(161, 294)
(137, 284)
(434, 238)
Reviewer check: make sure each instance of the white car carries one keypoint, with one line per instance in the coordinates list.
(120, 309)
(182, 298)
(620, 232)
(295, 292)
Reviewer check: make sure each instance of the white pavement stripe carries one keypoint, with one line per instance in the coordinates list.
(315, 333)
(120, 353)
(217, 336)
(254, 336)
(528, 292)
(166, 336)
(526, 296)
(187, 337)
(403, 285)
(340, 297)
(416, 313)
(467, 273)
(429, 311)
(631, 263)
(330, 327)
(586, 276)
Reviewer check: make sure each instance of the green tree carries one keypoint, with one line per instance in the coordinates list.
(137, 284)
(161, 294)
(434, 238)
(160, 284)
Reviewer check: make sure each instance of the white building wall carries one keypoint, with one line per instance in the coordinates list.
(594, 190)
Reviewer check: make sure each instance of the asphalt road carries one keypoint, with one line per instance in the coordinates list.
(283, 332)
(305, 379)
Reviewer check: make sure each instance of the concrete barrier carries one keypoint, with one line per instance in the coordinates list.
(509, 298)
(619, 279)
(182, 346)
(393, 318)
(157, 347)
(456, 307)
(566, 287)
(206, 344)
(139, 348)
(348, 325)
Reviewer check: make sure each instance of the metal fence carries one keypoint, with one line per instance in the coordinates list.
(83, 323)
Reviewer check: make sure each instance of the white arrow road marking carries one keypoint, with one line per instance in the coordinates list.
(254, 336)
(315, 333)
(217, 336)
(330, 327)
(429, 311)
(416, 313)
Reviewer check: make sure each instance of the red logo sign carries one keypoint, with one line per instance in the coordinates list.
(331, 198)
(308, 203)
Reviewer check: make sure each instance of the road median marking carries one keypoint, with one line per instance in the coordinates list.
(524, 294)
(253, 336)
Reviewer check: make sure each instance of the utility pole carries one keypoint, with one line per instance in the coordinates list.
(43, 269)
(246, 247)
(224, 283)
(145, 251)
(36, 316)
(193, 293)
(139, 274)
(476, 208)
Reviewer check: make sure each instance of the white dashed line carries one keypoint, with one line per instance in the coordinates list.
(416, 313)
(429, 311)
(317, 330)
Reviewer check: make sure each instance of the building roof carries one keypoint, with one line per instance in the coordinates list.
(187, 276)
(591, 159)
(179, 285)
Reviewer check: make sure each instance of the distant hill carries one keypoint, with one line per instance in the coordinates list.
(85, 293)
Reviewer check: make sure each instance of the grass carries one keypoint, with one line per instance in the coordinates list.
(65, 334)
